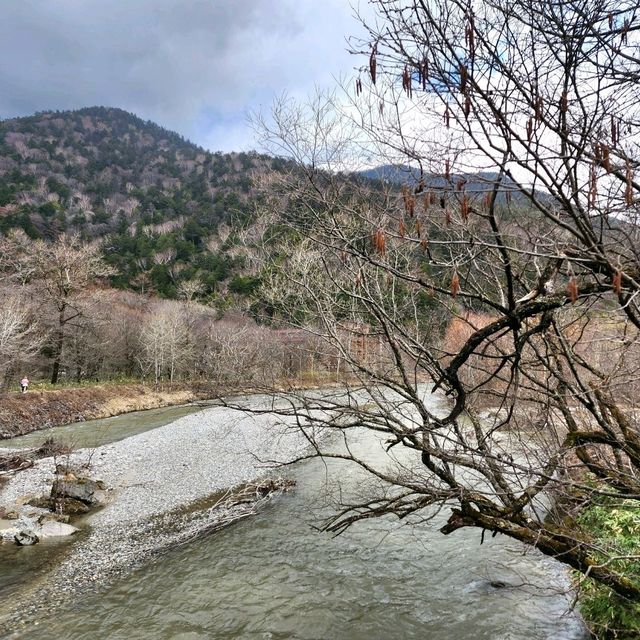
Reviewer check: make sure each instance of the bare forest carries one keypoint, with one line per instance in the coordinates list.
(60, 321)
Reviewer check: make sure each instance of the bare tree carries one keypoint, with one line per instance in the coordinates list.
(21, 335)
(59, 274)
(166, 347)
(518, 126)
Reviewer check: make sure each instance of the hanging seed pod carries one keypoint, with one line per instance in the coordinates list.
(411, 205)
(424, 243)
(467, 106)
(406, 80)
(460, 184)
(358, 86)
(455, 284)
(447, 218)
(373, 63)
(486, 201)
(405, 195)
(628, 192)
(610, 21)
(447, 116)
(380, 242)
(358, 279)
(469, 39)
(529, 129)
(447, 169)
(419, 188)
(443, 201)
(418, 229)
(614, 132)
(616, 282)
(606, 160)
(424, 73)
(572, 289)
(465, 208)
(381, 107)
(402, 229)
(507, 196)
(538, 109)
(433, 198)
(564, 102)
(464, 77)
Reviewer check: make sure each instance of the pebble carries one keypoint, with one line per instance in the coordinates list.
(151, 476)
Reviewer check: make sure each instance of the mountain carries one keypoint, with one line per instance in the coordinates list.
(163, 205)
(476, 183)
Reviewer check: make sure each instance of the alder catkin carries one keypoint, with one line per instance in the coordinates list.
(455, 284)
(617, 282)
(373, 63)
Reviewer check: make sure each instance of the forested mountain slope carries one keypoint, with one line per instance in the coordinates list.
(164, 207)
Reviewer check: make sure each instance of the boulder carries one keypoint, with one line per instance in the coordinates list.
(53, 529)
(71, 507)
(43, 509)
(41, 502)
(26, 532)
(26, 538)
(85, 490)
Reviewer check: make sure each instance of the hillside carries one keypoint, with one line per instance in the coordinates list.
(163, 206)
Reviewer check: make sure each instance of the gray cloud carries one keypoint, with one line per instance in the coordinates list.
(194, 66)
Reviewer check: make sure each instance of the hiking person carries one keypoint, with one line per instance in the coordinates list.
(24, 384)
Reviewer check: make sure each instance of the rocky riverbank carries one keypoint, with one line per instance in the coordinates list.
(164, 487)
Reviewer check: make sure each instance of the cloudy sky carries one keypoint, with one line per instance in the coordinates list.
(194, 66)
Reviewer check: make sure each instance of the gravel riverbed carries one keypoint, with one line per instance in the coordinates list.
(153, 480)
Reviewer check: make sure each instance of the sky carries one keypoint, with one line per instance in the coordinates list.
(198, 67)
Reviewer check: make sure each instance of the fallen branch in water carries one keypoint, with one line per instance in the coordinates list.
(237, 504)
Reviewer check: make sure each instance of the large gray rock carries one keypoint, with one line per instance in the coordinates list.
(53, 529)
(26, 538)
(27, 532)
(70, 487)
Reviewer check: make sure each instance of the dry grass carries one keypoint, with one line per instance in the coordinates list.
(35, 410)
(150, 399)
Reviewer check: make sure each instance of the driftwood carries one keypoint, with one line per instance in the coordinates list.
(15, 462)
(239, 503)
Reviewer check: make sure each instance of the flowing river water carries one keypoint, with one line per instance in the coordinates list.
(275, 576)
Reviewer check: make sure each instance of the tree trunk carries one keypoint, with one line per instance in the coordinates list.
(57, 356)
(553, 542)
(57, 348)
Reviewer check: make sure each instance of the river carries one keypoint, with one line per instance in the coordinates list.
(275, 576)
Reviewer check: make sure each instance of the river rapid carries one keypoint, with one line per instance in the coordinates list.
(275, 576)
